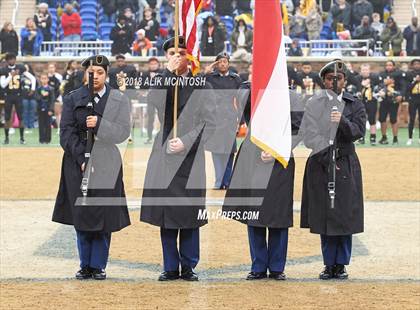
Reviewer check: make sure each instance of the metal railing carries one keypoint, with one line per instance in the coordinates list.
(15, 10)
(82, 48)
(337, 48)
(75, 48)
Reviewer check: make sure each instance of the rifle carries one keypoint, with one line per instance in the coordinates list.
(333, 145)
(89, 143)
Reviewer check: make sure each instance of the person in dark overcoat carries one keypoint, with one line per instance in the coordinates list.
(175, 183)
(347, 124)
(222, 145)
(105, 209)
(261, 185)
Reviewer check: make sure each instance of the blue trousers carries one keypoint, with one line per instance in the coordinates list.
(223, 164)
(188, 254)
(271, 257)
(336, 250)
(93, 248)
(29, 111)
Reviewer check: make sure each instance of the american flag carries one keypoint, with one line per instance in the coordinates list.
(188, 11)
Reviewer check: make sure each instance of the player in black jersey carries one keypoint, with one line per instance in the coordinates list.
(10, 81)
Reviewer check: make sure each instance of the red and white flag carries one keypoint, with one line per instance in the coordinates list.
(188, 11)
(271, 125)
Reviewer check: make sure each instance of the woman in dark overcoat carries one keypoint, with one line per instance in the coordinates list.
(105, 209)
(337, 224)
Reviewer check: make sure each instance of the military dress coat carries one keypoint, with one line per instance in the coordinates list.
(106, 182)
(316, 214)
(270, 185)
(175, 183)
(225, 88)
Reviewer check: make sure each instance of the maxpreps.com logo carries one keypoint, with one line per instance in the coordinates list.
(228, 215)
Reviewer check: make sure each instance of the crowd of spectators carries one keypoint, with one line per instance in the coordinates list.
(141, 26)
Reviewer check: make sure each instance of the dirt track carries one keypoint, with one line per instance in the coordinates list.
(38, 258)
(33, 173)
(180, 295)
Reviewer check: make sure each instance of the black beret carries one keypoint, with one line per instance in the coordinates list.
(96, 60)
(330, 67)
(223, 55)
(171, 43)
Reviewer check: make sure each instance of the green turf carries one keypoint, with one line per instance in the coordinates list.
(138, 139)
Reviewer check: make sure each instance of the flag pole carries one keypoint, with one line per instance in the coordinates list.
(175, 114)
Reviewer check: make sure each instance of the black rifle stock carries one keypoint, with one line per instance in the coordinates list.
(89, 142)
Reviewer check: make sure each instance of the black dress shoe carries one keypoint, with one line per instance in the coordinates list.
(189, 275)
(340, 272)
(98, 274)
(277, 275)
(383, 141)
(6, 141)
(168, 276)
(327, 273)
(256, 275)
(84, 273)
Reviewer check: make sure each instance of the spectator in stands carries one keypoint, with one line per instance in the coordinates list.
(412, 35)
(150, 25)
(295, 49)
(341, 15)
(224, 7)
(122, 37)
(212, 37)
(241, 41)
(43, 21)
(110, 9)
(9, 39)
(154, 5)
(359, 9)
(71, 24)
(365, 32)
(130, 19)
(141, 45)
(297, 26)
(377, 24)
(392, 38)
(313, 23)
(31, 39)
